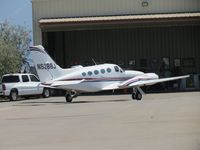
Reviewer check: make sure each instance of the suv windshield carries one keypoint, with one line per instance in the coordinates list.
(10, 79)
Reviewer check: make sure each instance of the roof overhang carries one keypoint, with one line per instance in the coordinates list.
(119, 21)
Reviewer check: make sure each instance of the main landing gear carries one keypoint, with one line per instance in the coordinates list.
(137, 94)
(70, 95)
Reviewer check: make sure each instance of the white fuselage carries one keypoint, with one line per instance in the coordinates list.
(97, 77)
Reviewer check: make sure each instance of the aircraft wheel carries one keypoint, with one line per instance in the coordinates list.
(138, 96)
(68, 98)
(133, 96)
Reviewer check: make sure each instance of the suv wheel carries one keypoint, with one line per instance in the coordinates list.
(46, 93)
(13, 95)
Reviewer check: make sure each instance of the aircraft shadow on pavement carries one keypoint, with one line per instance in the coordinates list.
(101, 101)
(74, 102)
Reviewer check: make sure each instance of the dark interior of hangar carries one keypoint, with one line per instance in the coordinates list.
(166, 50)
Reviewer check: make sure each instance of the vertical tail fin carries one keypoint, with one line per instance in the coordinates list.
(46, 68)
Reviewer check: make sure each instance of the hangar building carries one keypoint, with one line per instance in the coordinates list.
(161, 36)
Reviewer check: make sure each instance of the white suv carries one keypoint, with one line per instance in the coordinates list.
(14, 85)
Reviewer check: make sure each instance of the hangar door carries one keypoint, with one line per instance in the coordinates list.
(167, 50)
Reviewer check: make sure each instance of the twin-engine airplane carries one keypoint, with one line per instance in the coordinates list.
(92, 78)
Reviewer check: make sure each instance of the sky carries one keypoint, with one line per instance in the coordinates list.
(17, 12)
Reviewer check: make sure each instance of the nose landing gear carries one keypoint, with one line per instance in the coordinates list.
(70, 95)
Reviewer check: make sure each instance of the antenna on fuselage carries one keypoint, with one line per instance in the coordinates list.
(94, 61)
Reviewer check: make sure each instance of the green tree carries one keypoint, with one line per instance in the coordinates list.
(10, 59)
(14, 43)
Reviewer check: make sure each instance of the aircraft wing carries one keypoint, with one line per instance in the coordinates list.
(154, 81)
(62, 83)
(113, 86)
(140, 83)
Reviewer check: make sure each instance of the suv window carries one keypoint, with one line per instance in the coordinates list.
(34, 79)
(25, 78)
(10, 79)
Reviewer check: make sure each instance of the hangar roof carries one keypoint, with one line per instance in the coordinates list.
(123, 19)
(127, 17)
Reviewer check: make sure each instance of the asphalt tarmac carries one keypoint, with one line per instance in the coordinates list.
(160, 121)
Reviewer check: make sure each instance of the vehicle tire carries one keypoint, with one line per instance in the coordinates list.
(138, 96)
(13, 95)
(46, 93)
(133, 96)
(68, 98)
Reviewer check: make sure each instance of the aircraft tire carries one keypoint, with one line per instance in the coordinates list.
(133, 96)
(68, 98)
(138, 96)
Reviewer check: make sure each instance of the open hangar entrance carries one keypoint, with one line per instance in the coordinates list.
(165, 45)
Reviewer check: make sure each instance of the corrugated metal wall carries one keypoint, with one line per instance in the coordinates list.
(122, 45)
(74, 8)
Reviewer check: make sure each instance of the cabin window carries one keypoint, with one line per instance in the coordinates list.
(89, 73)
(96, 72)
(108, 70)
(103, 71)
(83, 74)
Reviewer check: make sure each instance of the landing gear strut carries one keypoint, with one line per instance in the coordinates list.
(136, 94)
(70, 95)
(68, 98)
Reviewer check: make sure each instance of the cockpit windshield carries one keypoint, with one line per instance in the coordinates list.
(118, 69)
